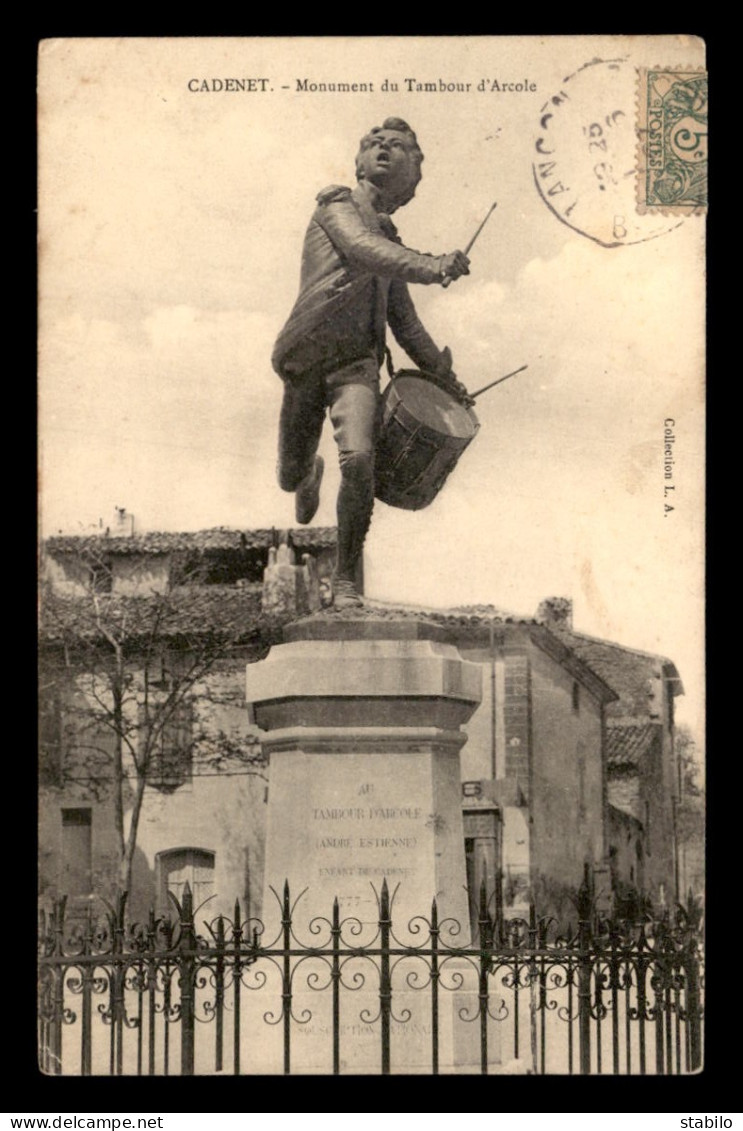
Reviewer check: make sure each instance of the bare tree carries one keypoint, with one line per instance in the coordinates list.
(689, 762)
(142, 685)
(690, 811)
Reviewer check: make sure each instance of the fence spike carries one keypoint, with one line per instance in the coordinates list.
(121, 909)
(384, 909)
(584, 895)
(187, 910)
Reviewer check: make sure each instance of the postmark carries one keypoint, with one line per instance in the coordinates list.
(585, 161)
(672, 141)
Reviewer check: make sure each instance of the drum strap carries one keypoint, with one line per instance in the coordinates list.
(390, 363)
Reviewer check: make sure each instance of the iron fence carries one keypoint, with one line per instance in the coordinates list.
(162, 998)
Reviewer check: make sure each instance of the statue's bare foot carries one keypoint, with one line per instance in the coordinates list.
(307, 494)
(346, 596)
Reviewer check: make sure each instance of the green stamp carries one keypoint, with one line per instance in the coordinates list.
(672, 170)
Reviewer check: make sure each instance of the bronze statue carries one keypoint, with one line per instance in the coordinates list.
(354, 277)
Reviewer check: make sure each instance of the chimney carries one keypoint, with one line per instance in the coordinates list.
(556, 612)
(123, 523)
(290, 589)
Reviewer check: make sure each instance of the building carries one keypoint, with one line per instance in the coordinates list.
(572, 756)
(643, 780)
(569, 760)
(144, 645)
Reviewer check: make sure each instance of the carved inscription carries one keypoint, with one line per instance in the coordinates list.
(367, 815)
(366, 838)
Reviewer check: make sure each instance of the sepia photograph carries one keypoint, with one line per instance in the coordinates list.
(371, 536)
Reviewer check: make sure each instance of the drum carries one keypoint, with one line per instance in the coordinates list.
(422, 434)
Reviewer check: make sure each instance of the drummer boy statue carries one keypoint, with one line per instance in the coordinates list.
(354, 277)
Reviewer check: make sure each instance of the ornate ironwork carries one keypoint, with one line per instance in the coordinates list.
(154, 997)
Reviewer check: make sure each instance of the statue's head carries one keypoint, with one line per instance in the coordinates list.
(390, 158)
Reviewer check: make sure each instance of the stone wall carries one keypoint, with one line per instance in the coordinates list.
(567, 799)
(138, 575)
(216, 804)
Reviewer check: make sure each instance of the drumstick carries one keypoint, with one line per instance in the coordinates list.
(485, 388)
(468, 248)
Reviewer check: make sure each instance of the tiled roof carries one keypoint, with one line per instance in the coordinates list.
(166, 542)
(472, 616)
(486, 613)
(627, 745)
(629, 672)
(218, 611)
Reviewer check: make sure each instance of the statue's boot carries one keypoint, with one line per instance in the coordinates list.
(355, 504)
(307, 494)
(346, 595)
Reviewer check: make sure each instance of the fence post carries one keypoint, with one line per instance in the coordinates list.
(286, 976)
(486, 942)
(532, 985)
(55, 1041)
(434, 988)
(335, 934)
(119, 967)
(658, 981)
(151, 989)
(693, 996)
(187, 946)
(219, 995)
(584, 975)
(87, 974)
(237, 941)
(385, 983)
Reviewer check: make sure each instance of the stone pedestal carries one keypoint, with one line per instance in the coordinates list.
(361, 720)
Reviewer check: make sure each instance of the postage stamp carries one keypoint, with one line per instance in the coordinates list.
(672, 149)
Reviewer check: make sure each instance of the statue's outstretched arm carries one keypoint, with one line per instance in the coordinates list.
(371, 251)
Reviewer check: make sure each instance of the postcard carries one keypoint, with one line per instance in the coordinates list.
(233, 231)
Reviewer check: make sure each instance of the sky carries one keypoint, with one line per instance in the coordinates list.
(171, 224)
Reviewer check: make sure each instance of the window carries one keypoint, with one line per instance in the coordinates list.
(166, 668)
(77, 845)
(100, 576)
(171, 759)
(179, 866)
